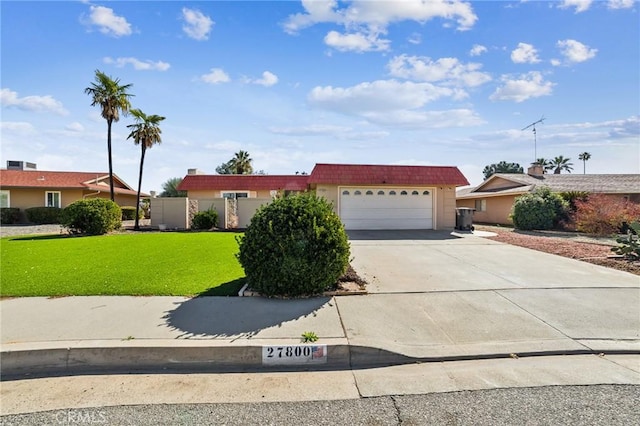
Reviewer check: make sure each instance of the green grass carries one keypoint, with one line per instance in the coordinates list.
(168, 263)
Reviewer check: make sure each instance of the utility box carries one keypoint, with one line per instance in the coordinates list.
(464, 218)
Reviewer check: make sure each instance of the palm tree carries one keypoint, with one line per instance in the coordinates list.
(560, 163)
(170, 188)
(584, 157)
(145, 132)
(544, 163)
(240, 164)
(113, 99)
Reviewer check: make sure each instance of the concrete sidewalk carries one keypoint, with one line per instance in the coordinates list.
(436, 298)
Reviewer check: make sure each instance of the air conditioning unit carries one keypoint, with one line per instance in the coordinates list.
(20, 165)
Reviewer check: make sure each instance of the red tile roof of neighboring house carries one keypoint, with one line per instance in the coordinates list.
(91, 181)
(244, 182)
(355, 174)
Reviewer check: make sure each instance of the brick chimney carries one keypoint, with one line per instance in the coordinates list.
(535, 170)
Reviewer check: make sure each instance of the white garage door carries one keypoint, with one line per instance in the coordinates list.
(386, 208)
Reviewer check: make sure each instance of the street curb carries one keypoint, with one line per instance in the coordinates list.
(103, 357)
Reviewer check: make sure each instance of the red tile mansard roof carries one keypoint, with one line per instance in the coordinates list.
(244, 182)
(354, 174)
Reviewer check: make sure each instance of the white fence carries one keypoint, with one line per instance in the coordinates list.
(176, 213)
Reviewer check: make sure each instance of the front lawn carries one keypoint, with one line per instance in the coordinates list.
(168, 263)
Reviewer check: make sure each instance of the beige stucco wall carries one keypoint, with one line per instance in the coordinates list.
(497, 209)
(24, 198)
(444, 202)
(170, 211)
(247, 207)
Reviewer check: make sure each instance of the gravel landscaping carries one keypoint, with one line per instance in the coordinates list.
(594, 250)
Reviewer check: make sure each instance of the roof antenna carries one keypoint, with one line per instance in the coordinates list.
(535, 142)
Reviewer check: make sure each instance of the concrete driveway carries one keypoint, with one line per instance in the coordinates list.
(435, 293)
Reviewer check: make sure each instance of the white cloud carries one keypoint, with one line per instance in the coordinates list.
(415, 38)
(477, 50)
(380, 95)
(527, 86)
(449, 71)
(390, 102)
(108, 22)
(426, 119)
(138, 64)
(197, 24)
(579, 5)
(313, 129)
(364, 20)
(74, 127)
(19, 127)
(357, 42)
(215, 76)
(9, 98)
(574, 51)
(525, 54)
(620, 4)
(268, 79)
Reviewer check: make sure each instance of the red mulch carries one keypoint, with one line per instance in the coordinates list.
(598, 254)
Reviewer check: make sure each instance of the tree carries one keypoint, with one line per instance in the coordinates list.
(170, 188)
(240, 164)
(544, 163)
(145, 132)
(502, 167)
(584, 157)
(113, 99)
(558, 164)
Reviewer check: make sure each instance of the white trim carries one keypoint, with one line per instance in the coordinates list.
(46, 198)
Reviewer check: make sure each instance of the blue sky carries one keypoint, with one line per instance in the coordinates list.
(298, 83)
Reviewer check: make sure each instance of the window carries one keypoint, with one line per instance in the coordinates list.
(415, 193)
(235, 195)
(369, 192)
(357, 192)
(345, 192)
(425, 193)
(5, 199)
(403, 193)
(52, 199)
(392, 192)
(481, 205)
(380, 192)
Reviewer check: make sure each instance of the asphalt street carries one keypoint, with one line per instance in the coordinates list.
(556, 405)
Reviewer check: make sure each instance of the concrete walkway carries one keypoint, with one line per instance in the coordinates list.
(434, 298)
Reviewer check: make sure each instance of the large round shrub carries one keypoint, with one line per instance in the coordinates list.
(294, 246)
(541, 209)
(93, 216)
(204, 220)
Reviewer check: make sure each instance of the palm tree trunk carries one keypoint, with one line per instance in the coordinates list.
(110, 160)
(136, 225)
(584, 167)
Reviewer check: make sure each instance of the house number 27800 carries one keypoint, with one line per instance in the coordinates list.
(294, 354)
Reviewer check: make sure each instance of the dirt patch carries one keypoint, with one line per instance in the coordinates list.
(596, 252)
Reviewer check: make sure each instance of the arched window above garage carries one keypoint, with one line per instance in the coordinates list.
(345, 192)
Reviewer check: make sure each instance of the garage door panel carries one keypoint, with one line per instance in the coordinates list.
(380, 210)
(387, 213)
(388, 224)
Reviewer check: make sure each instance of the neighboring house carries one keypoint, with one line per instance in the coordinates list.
(23, 186)
(493, 199)
(364, 196)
